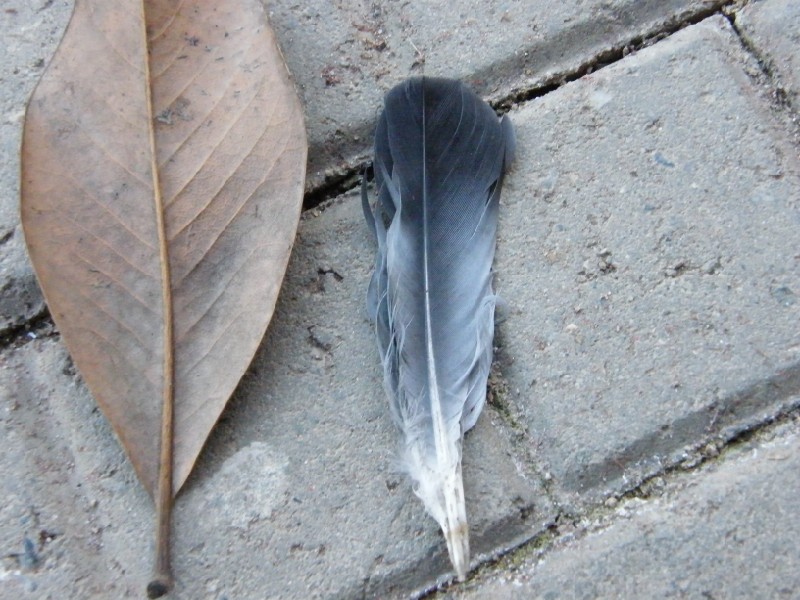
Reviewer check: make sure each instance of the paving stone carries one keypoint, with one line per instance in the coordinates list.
(30, 32)
(296, 494)
(344, 56)
(728, 532)
(772, 28)
(648, 253)
(67, 488)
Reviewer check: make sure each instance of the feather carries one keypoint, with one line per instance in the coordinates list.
(440, 155)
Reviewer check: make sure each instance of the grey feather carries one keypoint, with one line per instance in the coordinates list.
(440, 155)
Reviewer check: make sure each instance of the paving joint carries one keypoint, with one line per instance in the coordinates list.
(573, 526)
(702, 427)
(39, 326)
(778, 96)
(517, 431)
(709, 451)
(334, 186)
(608, 57)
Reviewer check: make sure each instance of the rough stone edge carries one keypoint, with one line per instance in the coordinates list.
(769, 76)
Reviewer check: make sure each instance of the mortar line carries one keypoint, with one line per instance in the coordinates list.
(38, 326)
(778, 98)
(608, 57)
(542, 543)
(517, 433)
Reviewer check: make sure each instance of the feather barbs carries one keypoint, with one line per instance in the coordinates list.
(440, 155)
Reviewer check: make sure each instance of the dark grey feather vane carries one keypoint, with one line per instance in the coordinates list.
(440, 154)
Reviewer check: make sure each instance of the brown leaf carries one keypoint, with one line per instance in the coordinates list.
(163, 196)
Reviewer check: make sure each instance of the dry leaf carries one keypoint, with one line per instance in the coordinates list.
(160, 199)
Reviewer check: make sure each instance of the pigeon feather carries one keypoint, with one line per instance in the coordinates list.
(440, 155)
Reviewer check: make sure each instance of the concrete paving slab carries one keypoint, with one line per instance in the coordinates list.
(72, 514)
(648, 252)
(729, 531)
(772, 28)
(296, 494)
(30, 32)
(344, 56)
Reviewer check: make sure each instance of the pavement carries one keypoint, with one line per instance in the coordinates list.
(642, 435)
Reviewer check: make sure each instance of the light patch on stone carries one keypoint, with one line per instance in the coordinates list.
(246, 489)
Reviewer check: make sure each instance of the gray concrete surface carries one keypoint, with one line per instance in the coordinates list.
(648, 252)
(295, 494)
(346, 54)
(30, 34)
(728, 531)
(648, 258)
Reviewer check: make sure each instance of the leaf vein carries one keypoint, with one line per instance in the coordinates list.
(97, 201)
(223, 287)
(245, 156)
(114, 319)
(117, 281)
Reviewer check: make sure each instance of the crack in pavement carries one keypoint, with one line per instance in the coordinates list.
(697, 428)
(608, 57)
(37, 327)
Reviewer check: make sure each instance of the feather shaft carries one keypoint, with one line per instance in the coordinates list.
(440, 154)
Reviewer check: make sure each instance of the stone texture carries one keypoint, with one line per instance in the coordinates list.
(772, 28)
(648, 252)
(30, 32)
(729, 531)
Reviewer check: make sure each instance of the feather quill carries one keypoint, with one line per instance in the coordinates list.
(440, 155)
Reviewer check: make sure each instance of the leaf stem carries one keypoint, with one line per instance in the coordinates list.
(162, 573)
